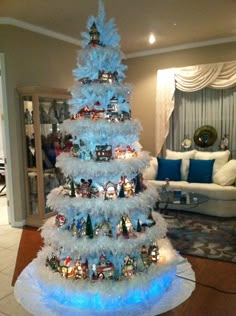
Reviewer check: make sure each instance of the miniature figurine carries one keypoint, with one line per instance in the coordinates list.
(224, 143)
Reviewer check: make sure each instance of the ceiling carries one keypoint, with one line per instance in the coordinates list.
(174, 22)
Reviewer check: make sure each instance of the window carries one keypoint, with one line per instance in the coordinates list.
(212, 107)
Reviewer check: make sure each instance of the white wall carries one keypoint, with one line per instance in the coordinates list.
(30, 59)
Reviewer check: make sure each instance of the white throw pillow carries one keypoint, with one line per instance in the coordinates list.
(150, 172)
(227, 174)
(185, 156)
(221, 158)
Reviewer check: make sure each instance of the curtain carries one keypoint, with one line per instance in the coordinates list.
(189, 79)
(205, 107)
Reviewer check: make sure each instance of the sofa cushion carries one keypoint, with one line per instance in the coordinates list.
(185, 156)
(227, 174)
(200, 171)
(168, 168)
(221, 158)
(150, 173)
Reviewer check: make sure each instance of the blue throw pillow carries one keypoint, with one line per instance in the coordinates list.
(200, 171)
(169, 168)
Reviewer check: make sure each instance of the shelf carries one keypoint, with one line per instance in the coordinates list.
(43, 110)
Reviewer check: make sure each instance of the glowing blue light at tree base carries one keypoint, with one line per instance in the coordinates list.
(132, 299)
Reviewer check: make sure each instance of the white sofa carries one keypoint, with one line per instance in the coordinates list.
(221, 193)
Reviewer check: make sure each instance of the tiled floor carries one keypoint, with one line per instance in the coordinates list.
(9, 241)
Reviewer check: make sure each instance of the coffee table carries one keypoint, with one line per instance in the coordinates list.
(178, 201)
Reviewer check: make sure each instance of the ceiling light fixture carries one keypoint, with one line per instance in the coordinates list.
(152, 38)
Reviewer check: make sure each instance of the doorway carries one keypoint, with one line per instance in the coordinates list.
(7, 216)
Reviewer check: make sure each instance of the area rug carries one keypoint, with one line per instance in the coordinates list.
(201, 235)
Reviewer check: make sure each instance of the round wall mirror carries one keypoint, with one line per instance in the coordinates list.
(205, 136)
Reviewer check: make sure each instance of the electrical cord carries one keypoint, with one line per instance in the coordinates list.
(206, 285)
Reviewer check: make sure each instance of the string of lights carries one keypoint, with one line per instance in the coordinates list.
(207, 285)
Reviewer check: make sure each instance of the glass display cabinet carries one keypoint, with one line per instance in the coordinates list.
(43, 111)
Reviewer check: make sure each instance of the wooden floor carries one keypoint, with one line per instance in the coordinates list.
(205, 301)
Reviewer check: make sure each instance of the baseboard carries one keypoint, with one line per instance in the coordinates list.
(19, 224)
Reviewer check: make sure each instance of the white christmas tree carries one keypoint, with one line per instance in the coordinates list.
(105, 251)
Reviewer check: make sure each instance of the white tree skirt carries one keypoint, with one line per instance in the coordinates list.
(35, 300)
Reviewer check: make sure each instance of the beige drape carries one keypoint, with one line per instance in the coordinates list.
(189, 79)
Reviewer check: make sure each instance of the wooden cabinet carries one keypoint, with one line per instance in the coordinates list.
(43, 111)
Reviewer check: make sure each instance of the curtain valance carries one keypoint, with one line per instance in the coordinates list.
(188, 79)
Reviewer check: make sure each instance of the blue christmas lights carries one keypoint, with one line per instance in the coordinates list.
(133, 298)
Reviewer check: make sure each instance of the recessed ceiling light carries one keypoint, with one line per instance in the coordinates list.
(152, 38)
